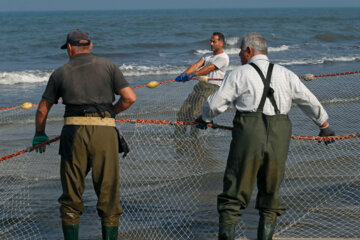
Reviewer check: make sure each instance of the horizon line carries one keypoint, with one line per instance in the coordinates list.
(160, 9)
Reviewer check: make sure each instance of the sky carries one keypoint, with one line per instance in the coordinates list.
(59, 5)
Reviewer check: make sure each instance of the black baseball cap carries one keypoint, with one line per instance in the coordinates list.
(74, 37)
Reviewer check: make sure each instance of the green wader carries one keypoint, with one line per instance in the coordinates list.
(192, 106)
(85, 148)
(258, 153)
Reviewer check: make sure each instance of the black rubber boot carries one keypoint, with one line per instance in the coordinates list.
(71, 232)
(109, 232)
(266, 228)
(227, 231)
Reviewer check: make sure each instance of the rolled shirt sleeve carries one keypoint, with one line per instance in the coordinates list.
(220, 101)
(307, 101)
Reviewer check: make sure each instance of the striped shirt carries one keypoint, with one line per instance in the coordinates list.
(243, 88)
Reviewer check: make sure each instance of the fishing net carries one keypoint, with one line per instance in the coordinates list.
(170, 178)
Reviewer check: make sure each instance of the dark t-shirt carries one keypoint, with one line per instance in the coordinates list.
(85, 80)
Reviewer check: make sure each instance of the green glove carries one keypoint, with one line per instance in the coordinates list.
(40, 137)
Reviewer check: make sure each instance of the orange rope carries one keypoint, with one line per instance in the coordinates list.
(337, 74)
(29, 149)
(216, 79)
(8, 108)
(214, 126)
(173, 80)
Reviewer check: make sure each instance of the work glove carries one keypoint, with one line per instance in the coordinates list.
(201, 123)
(184, 77)
(327, 132)
(40, 137)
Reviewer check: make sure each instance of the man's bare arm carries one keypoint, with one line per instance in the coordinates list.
(127, 98)
(41, 115)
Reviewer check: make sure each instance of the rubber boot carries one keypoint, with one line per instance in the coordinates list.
(266, 228)
(227, 231)
(109, 232)
(71, 232)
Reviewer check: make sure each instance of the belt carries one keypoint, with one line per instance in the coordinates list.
(92, 121)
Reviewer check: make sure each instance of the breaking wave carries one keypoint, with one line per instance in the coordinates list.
(235, 51)
(322, 60)
(37, 76)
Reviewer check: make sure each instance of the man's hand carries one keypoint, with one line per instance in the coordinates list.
(183, 77)
(201, 123)
(327, 132)
(40, 137)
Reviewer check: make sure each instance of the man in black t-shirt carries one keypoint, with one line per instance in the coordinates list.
(87, 85)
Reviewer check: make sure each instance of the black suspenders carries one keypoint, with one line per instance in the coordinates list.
(268, 91)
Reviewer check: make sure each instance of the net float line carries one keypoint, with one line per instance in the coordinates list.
(173, 80)
(337, 74)
(140, 86)
(29, 149)
(216, 126)
(14, 107)
(210, 125)
(216, 79)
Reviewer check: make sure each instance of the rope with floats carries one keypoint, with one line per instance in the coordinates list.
(153, 84)
(29, 149)
(167, 122)
(307, 77)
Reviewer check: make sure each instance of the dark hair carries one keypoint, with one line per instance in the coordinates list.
(220, 36)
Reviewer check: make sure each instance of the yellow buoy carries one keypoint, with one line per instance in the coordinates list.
(203, 78)
(152, 84)
(26, 105)
(308, 77)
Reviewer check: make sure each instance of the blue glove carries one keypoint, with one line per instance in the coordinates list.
(327, 132)
(201, 123)
(40, 137)
(183, 77)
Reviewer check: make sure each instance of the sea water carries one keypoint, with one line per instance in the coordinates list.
(160, 44)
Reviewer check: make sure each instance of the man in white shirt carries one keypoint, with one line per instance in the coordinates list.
(261, 133)
(211, 65)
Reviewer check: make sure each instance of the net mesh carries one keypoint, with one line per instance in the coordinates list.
(170, 180)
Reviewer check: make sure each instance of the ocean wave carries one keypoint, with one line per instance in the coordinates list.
(129, 70)
(232, 41)
(37, 76)
(32, 76)
(201, 51)
(235, 51)
(140, 70)
(279, 49)
(321, 60)
(341, 100)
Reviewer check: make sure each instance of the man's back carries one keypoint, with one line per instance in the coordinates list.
(85, 79)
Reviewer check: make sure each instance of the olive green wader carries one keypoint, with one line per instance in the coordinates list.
(258, 152)
(84, 148)
(192, 106)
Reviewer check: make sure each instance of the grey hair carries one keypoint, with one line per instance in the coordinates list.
(256, 41)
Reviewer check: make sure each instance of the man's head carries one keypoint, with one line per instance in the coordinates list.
(77, 41)
(217, 42)
(251, 45)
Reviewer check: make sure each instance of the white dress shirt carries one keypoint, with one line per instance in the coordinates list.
(243, 88)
